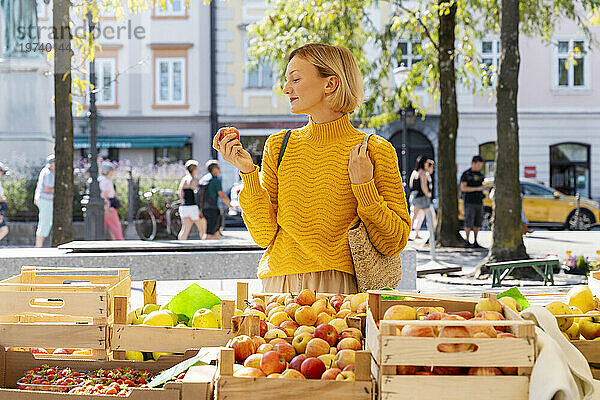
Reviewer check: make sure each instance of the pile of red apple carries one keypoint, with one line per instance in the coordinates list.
(322, 345)
(116, 381)
(485, 310)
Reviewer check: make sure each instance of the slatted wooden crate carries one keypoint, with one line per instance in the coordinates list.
(60, 307)
(229, 387)
(123, 337)
(390, 350)
(13, 365)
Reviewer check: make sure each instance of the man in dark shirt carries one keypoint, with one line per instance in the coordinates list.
(210, 203)
(471, 186)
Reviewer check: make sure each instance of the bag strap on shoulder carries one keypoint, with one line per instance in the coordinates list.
(284, 143)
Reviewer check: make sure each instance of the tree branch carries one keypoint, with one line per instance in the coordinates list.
(425, 28)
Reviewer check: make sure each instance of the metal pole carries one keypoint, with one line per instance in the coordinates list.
(131, 233)
(404, 150)
(95, 206)
(578, 223)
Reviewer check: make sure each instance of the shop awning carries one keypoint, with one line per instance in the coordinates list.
(132, 142)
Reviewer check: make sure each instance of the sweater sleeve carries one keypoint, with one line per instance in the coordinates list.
(258, 198)
(381, 201)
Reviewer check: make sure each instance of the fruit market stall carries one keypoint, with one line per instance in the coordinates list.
(464, 348)
(60, 308)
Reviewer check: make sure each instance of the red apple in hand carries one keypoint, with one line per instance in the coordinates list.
(226, 131)
(328, 333)
(312, 368)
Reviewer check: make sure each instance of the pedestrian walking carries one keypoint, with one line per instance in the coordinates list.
(44, 200)
(471, 187)
(211, 191)
(319, 181)
(421, 184)
(3, 205)
(111, 202)
(189, 212)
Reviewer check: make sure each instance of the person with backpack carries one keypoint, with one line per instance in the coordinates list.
(320, 181)
(210, 191)
(189, 212)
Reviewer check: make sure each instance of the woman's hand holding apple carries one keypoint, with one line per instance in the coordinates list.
(227, 142)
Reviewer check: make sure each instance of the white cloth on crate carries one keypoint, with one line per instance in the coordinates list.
(561, 372)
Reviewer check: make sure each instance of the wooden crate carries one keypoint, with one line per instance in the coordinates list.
(124, 337)
(14, 364)
(389, 350)
(232, 387)
(60, 307)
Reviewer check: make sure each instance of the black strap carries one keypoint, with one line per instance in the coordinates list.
(283, 146)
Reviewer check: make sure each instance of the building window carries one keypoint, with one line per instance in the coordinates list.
(170, 80)
(174, 8)
(570, 62)
(172, 154)
(570, 168)
(487, 151)
(106, 81)
(490, 61)
(260, 76)
(409, 53)
(110, 153)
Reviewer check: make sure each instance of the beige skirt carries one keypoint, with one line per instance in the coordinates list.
(322, 282)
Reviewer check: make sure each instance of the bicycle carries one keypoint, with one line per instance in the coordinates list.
(149, 218)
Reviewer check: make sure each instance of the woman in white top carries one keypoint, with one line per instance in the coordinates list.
(189, 212)
(107, 192)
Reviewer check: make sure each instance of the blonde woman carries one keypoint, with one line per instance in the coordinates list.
(328, 179)
(189, 212)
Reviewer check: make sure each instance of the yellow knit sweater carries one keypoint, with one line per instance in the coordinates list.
(302, 210)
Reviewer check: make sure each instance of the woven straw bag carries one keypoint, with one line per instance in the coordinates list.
(372, 269)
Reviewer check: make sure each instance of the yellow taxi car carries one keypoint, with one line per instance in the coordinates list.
(544, 207)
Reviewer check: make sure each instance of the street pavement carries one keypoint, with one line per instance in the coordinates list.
(538, 244)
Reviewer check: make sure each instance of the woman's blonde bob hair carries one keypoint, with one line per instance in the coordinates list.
(336, 61)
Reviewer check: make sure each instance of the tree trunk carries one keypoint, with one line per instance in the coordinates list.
(507, 238)
(447, 225)
(63, 126)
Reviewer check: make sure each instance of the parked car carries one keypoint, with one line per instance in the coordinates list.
(544, 207)
(233, 217)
